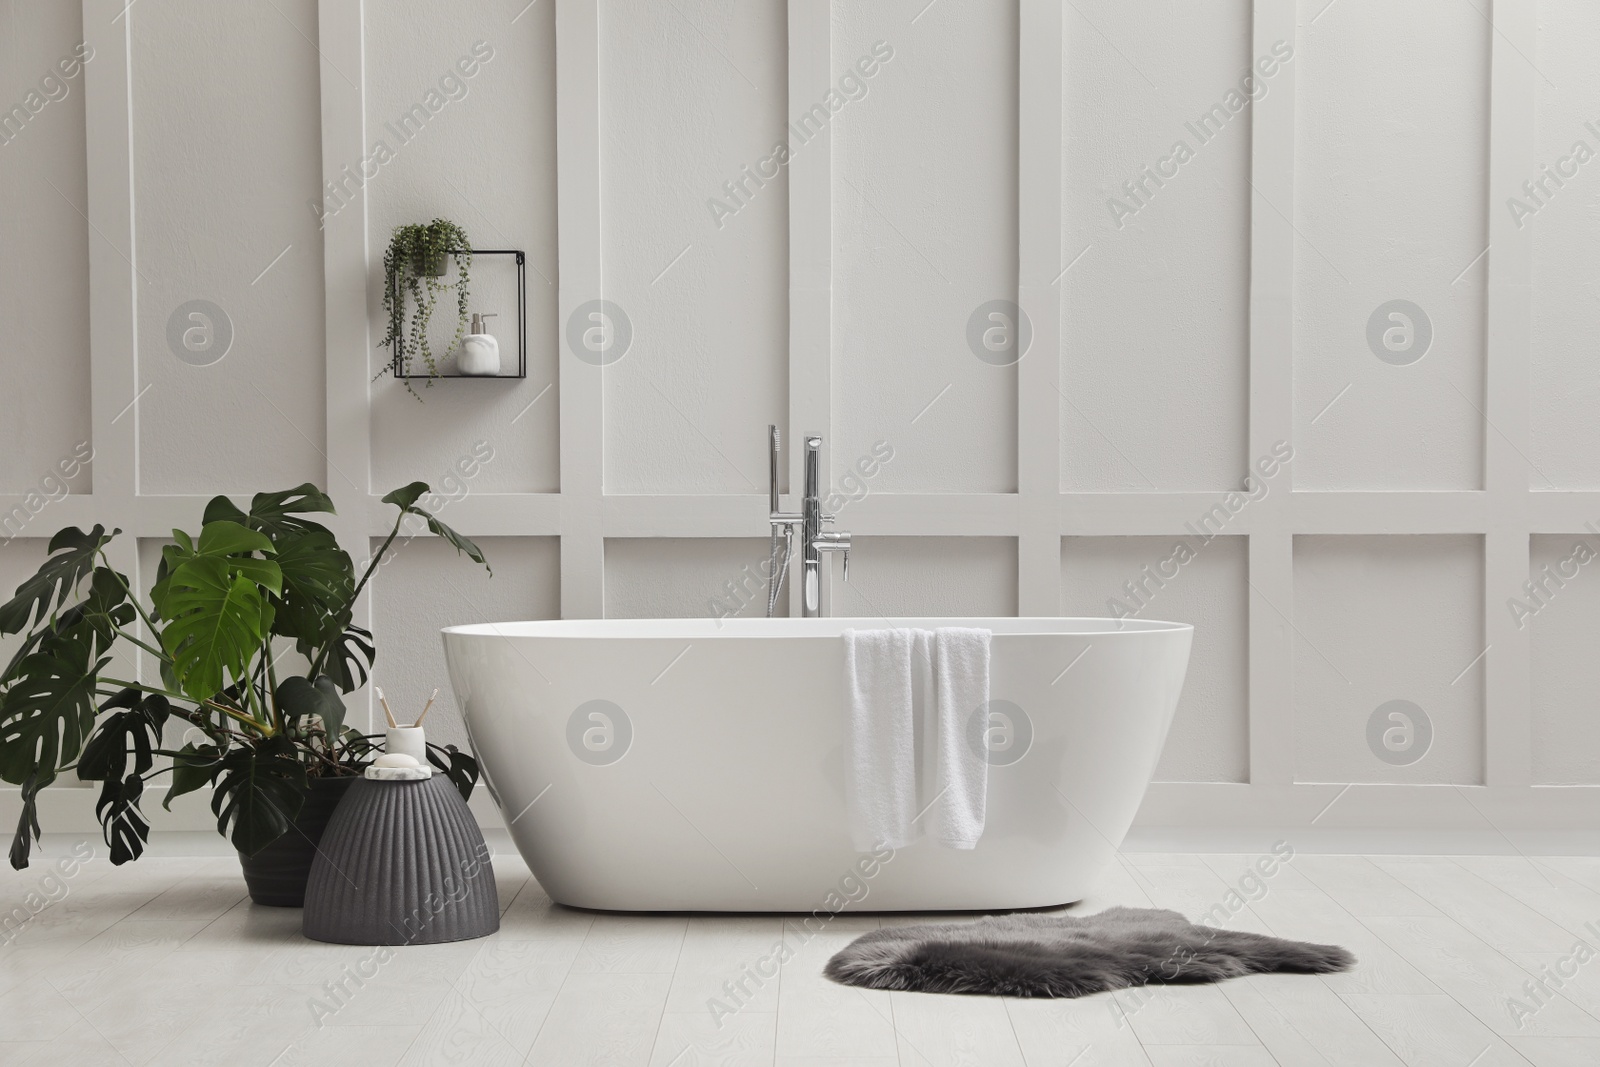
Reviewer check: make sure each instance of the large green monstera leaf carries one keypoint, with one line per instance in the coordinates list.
(318, 576)
(319, 582)
(405, 498)
(48, 708)
(213, 598)
(133, 732)
(258, 793)
(72, 555)
(95, 619)
(300, 698)
(274, 514)
(47, 690)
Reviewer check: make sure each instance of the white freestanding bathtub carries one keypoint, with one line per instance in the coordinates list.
(697, 764)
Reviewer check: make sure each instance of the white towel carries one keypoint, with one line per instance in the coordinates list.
(910, 762)
(880, 738)
(961, 778)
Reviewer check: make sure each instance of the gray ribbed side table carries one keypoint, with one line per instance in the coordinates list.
(401, 863)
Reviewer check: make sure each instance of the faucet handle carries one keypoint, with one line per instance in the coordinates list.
(835, 541)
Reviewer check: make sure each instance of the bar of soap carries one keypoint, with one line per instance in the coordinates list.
(396, 759)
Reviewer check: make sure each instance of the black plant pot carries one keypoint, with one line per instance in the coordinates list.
(276, 876)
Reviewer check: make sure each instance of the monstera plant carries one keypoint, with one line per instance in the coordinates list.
(251, 626)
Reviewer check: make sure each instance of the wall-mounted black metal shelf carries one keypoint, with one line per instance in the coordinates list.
(398, 366)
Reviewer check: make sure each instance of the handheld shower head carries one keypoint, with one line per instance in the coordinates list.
(774, 444)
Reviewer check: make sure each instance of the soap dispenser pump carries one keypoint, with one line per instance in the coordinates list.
(480, 350)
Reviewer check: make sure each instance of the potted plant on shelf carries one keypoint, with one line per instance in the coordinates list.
(225, 608)
(414, 267)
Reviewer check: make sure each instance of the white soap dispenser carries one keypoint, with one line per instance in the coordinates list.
(480, 351)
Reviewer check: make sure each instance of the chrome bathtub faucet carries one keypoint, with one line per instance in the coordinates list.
(814, 540)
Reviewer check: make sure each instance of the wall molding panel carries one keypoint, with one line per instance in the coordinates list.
(1283, 531)
(1513, 144)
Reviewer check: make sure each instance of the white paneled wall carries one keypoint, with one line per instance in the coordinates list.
(1379, 619)
(690, 96)
(1156, 247)
(820, 214)
(924, 191)
(1391, 184)
(1563, 382)
(929, 576)
(44, 278)
(1210, 738)
(1564, 628)
(487, 160)
(683, 577)
(425, 587)
(224, 131)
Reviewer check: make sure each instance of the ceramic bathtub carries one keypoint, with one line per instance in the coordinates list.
(697, 764)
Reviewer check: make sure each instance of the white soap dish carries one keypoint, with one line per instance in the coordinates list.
(398, 767)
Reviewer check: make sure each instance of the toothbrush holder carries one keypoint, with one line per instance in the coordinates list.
(410, 741)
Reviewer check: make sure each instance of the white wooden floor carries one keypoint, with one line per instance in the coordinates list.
(166, 962)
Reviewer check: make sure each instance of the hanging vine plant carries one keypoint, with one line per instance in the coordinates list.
(414, 268)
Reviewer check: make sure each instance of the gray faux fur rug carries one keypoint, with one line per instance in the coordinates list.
(1060, 956)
